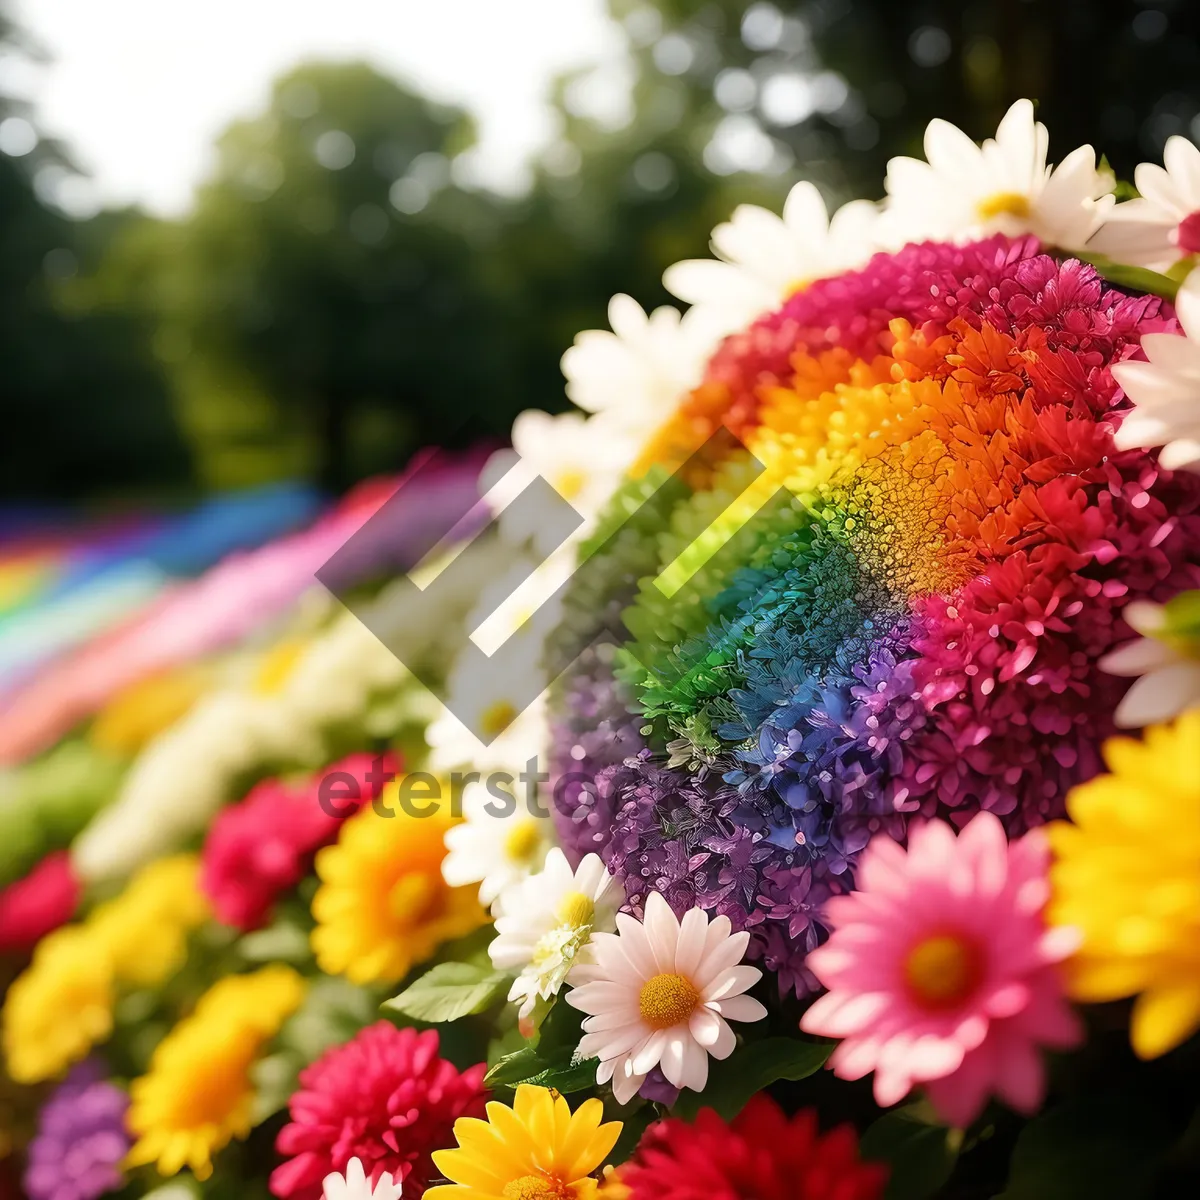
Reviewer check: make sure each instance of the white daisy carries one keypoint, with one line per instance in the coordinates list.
(1166, 390)
(494, 847)
(1162, 226)
(355, 1185)
(661, 994)
(485, 700)
(1005, 186)
(762, 258)
(547, 922)
(1166, 656)
(582, 458)
(638, 372)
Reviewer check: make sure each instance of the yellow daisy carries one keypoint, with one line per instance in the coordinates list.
(1127, 875)
(198, 1094)
(383, 905)
(145, 928)
(59, 1007)
(536, 1150)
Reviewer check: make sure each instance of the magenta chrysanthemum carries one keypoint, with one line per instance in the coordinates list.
(385, 1098)
(263, 846)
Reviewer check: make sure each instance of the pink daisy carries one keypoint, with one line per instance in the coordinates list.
(661, 993)
(941, 970)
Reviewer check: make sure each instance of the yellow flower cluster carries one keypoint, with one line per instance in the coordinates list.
(198, 1094)
(1127, 875)
(536, 1150)
(143, 710)
(62, 1004)
(145, 928)
(59, 1007)
(383, 906)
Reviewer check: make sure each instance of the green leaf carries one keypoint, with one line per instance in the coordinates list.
(528, 1066)
(1090, 1148)
(748, 1070)
(449, 991)
(1137, 279)
(921, 1153)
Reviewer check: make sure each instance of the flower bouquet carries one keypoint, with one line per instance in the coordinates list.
(839, 836)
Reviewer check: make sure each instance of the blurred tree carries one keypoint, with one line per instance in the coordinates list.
(621, 192)
(318, 314)
(342, 293)
(840, 86)
(80, 390)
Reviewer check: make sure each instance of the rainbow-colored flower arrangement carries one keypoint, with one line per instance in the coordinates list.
(839, 858)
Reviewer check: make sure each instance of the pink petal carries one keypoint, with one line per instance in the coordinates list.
(1020, 1076)
(1006, 1000)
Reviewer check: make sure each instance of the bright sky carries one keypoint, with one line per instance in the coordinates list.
(140, 88)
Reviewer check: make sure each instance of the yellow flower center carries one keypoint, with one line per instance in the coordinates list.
(523, 841)
(535, 1187)
(1003, 204)
(575, 909)
(569, 483)
(498, 717)
(942, 970)
(413, 898)
(667, 1000)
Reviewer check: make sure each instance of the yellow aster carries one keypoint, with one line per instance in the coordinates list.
(536, 1150)
(59, 1007)
(145, 928)
(1127, 875)
(383, 905)
(198, 1094)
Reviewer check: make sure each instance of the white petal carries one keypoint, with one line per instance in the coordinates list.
(695, 1067)
(732, 982)
(718, 959)
(646, 1057)
(740, 1008)
(673, 1057)
(662, 931)
(689, 949)
(1160, 696)
(626, 1082)
(1138, 657)
(804, 210)
(1187, 305)
(1181, 454)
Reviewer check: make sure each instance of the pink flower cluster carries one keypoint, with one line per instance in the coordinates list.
(264, 845)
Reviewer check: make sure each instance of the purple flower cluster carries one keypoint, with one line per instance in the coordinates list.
(81, 1139)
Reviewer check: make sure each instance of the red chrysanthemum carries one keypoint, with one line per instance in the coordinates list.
(386, 1098)
(762, 1156)
(263, 846)
(32, 907)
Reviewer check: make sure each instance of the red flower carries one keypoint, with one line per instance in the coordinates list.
(45, 899)
(761, 1156)
(385, 1097)
(263, 846)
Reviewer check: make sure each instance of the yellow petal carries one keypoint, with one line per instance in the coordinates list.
(1165, 1016)
(1095, 980)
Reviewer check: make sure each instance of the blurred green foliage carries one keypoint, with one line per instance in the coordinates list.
(343, 292)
